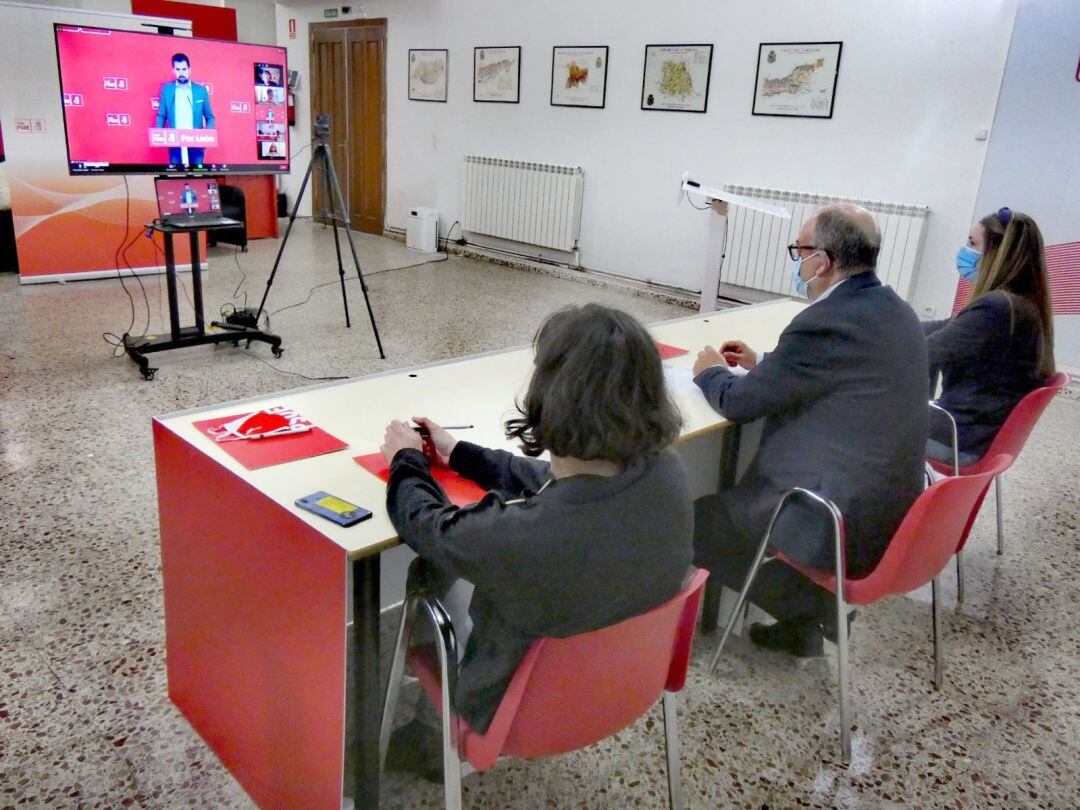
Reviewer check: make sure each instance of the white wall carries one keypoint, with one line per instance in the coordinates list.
(1032, 165)
(917, 79)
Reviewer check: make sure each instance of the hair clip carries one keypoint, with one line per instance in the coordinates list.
(1004, 216)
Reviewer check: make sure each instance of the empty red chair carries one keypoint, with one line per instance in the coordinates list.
(921, 548)
(566, 693)
(1009, 440)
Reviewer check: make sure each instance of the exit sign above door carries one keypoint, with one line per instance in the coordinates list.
(329, 12)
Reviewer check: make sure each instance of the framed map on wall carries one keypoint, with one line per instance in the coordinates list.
(497, 74)
(676, 78)
(579, 75)
(427, 74)
(797, 79)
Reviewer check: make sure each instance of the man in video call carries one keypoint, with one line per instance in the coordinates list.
(266, 78)
(183, 104)
(189, 201)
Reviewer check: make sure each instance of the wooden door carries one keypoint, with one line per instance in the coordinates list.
(367, 117)
(348, 82)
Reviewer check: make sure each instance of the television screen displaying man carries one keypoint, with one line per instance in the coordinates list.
(183, 104)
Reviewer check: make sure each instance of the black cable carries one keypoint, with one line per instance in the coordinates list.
(293, 373)
(695, 205)
(120, 255)
(446, 241)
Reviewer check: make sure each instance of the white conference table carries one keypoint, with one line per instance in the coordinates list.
(257, 590)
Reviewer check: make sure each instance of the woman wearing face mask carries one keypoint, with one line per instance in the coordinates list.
(1001, 345)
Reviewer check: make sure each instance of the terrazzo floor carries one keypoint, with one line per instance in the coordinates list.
(84, 716)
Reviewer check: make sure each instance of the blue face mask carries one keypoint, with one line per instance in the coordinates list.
(797, 282)
(966, 260)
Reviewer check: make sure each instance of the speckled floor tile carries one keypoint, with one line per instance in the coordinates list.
(85, 720)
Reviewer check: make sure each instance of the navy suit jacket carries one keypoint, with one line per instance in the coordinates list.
(166, 114)
(843, 397)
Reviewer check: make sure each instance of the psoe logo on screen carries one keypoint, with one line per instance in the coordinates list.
(118, 119)
(155, 103)
(73, 100)
(239, 106)
(115, 82)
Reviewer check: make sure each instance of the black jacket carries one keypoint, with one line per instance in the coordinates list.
(586, 552)
(988, 356)
(843, 396)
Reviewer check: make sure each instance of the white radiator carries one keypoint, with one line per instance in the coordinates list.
(756, 257)
(534, 203)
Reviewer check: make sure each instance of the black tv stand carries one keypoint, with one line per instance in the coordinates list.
(183, 337)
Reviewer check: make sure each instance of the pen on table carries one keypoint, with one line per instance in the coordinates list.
(422, 429)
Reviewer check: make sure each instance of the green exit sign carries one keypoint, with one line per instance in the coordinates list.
(329, 12)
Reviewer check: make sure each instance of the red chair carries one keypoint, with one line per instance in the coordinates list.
(1009, 441)
(566, 693)
(921, 548)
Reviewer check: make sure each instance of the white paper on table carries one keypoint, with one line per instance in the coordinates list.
(680, 380)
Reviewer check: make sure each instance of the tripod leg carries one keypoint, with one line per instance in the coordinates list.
(337, 242)
(352, 247)
(285, 238)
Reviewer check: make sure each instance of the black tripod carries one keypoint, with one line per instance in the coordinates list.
(331, 193)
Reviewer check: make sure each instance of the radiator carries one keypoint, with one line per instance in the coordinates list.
(756, 257)
(534, 203)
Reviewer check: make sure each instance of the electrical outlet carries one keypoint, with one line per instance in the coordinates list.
(928, 311)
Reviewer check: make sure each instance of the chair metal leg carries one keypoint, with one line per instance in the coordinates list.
(445, 646)
(674, 754)
(997, 497)
(397, 671)
(960, 577)
(842, 655)
(939, 663)
(734, 617)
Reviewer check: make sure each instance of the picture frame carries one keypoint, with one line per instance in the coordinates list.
(797, 79)
(428, 68)
(579, 76)
(497, 74)
(675, 78)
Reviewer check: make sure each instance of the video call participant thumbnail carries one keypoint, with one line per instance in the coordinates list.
(183, 104)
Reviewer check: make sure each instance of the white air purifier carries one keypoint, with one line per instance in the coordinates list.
(422, 230)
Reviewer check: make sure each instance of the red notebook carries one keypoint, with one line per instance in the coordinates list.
(461, 491)
(667, 351)
(256, 453)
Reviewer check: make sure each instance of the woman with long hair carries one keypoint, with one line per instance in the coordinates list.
(1000, 346)
(602, 532)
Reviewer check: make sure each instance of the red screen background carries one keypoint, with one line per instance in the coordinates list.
(88, 55)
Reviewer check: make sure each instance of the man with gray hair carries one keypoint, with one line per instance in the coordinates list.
(843, 398)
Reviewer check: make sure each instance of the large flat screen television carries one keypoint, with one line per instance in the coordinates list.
(140, 103)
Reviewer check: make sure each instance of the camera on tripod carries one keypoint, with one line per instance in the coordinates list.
(321, 128)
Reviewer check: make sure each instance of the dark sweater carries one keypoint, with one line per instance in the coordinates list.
(988, 356)
(586, 552)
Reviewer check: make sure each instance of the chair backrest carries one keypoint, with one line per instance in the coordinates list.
(571, 692)
(927, 537)
(1014, 433)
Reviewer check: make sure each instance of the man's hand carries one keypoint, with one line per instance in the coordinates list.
(737, 353)
(399, 435)
(438, 443)
(707, 358)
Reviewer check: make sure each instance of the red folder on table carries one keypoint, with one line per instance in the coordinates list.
(461, 491)
(256, 453)
(667, 350)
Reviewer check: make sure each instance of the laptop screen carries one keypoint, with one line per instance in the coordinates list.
(181, 196)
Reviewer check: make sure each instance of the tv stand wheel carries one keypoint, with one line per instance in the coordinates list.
(277, 351)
